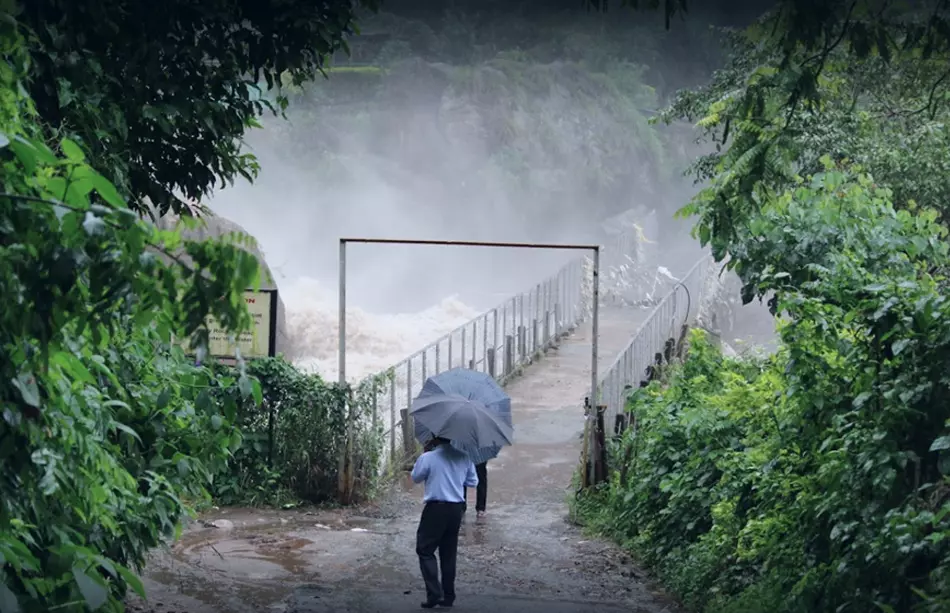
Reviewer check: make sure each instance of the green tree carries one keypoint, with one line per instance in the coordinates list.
(106, 428)
(883, 110)
(160, 94)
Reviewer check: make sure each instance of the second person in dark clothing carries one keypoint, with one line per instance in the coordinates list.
(481, 490)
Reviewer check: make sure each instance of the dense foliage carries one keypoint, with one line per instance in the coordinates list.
(109, 431)
(884, 110)
(103, 430)
(816, 480)
(293, 440)
(162, 93)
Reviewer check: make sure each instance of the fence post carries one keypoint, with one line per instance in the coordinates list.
(509, 354)
(522, 341)
(392, 419)
(600, 459)
(271, 419)
(534, 336)
(375, 405)
(587, 447)
(547, 328)
(408, 445)
(490, 359)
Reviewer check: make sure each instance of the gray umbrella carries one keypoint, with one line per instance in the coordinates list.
(467, 422)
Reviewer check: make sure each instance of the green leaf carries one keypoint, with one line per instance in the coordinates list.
(26, 384)
(132, 579)
(940, 444)
(257, 392)
(164, 397)
(899, 345)
(94, 593)
(107, 191)
(72, 151)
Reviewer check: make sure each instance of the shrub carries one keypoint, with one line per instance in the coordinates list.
(816, 479)
(294, 439)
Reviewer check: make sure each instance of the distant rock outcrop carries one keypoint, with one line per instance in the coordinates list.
(211, 225)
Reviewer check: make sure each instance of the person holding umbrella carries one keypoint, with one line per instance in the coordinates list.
(446, 473)
(483, 389)
(461, 427)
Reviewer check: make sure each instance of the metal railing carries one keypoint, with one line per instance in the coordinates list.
(500, 342)
(680, 307)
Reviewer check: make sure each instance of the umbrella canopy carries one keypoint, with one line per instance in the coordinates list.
(467, 423)
(473, 385)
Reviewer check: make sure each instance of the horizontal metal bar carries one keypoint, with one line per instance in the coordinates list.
(396, 241)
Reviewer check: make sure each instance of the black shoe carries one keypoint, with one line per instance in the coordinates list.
(430, 604)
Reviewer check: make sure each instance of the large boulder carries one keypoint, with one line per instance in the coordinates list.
(210, 225)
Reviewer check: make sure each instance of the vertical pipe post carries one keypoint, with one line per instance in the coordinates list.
(485, 342)
(494, 339)
(594, 326)
(341, 373)
(392, 419)
(341, 366)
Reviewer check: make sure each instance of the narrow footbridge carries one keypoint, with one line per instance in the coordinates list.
(538, 344)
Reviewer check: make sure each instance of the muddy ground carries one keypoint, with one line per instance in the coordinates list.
(525, 555)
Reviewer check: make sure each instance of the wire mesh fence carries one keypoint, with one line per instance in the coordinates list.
(653, 343)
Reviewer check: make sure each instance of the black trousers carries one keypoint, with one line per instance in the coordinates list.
(481, 492)
(439, 531)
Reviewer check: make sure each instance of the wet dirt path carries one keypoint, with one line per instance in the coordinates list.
(523, 556)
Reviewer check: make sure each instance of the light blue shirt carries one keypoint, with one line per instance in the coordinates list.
(447, 472)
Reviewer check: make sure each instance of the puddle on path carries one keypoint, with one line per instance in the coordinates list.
(244, 559)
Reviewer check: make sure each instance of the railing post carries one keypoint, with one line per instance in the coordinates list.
(375, 406)
(509, 355)
(547, 328)
(494, 340)
(485, 341)
(409, 381)
(521, 334)
(450, 350)
(534, 336)
(408, 440)
(490, 362)
(392, 419)
(471, 363)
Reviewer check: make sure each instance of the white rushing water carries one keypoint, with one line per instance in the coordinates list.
(374, 342)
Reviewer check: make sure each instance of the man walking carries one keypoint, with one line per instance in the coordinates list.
(481, 491)
(446, 472)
